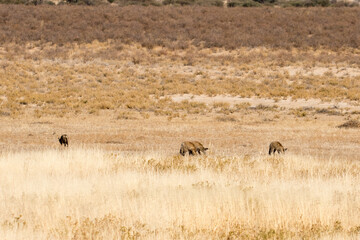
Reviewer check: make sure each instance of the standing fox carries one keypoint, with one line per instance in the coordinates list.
(276, 146)
(64, 140)
(199, 147)
(192, 148)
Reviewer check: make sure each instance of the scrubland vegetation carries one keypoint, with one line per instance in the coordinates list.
(180, 27)
(134, 59)
(207, 3)
(71, 86)
(129, 84)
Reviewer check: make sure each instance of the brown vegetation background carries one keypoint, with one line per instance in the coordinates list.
(176, 27)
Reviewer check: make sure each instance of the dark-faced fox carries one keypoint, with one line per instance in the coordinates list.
(64, 140)
(276, 146)
(199, 147)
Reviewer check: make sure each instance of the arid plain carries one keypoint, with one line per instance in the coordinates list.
(127, 106)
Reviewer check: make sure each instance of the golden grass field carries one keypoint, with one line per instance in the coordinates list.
(125, 179)
(122, 176)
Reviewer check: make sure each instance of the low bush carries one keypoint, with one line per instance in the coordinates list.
(350, 124)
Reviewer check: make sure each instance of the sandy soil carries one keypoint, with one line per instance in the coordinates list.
(285, 103)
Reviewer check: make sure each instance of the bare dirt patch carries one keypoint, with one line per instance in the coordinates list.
(283, 103)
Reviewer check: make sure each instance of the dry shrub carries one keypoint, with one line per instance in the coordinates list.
(167, 165)
(299, 112)
(242, 106)
(350, 124)
(328, 112)
(226, 119)
(263, 107)
(191, 107)
(127, 115)
(98, 228)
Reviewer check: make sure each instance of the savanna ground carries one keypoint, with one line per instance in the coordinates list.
(127, 97)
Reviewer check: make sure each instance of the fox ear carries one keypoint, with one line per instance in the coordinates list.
(206, 149)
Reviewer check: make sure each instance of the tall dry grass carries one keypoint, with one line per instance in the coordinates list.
(88, 193)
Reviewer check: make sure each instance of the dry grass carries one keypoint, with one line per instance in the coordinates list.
(124, 178)
(88, 193)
